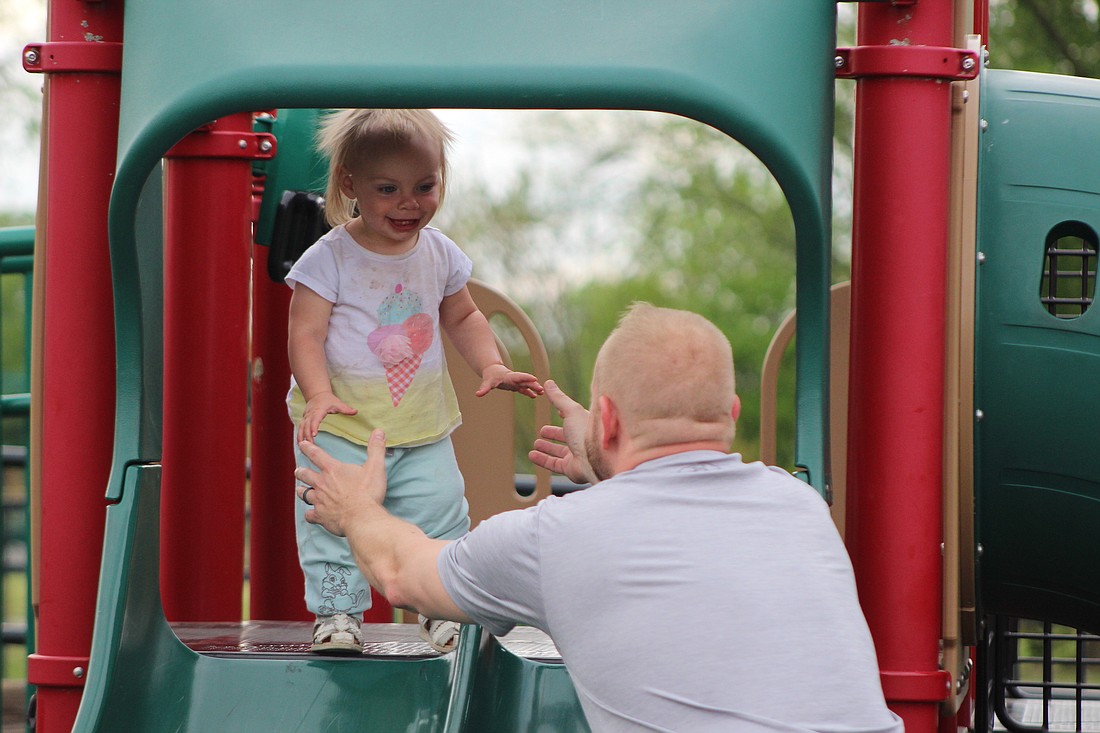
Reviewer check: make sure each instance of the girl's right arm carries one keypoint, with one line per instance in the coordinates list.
(308, 329)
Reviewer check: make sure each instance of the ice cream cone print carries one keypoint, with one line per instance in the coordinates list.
(400, 376)
(401, 340)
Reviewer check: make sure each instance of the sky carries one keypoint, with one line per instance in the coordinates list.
(21, 22)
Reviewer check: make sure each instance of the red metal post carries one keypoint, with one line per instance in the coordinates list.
(276, 579)
(74, 409)
(208, 213)
(895, 435)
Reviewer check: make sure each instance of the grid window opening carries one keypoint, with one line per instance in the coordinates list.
(1049, 677)
(1069, 270)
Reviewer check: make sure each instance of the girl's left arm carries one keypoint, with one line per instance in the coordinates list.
(469, 331)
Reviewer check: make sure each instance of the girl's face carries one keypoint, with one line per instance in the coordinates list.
(397, 187)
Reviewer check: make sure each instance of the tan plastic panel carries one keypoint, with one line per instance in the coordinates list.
(485, 443)
(840, 306)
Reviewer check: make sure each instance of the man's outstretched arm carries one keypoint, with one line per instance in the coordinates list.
(396, 557)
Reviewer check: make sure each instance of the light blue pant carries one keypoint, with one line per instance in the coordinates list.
(424, 487)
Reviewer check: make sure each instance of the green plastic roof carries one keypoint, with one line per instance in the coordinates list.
(760, 71)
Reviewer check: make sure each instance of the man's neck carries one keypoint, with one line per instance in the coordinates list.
(632, 459)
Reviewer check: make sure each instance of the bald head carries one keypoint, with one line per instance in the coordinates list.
(670, 373)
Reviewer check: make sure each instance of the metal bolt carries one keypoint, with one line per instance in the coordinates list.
(30, 57)
(265, 146)
(78, 672)
(967, 63)
(242, 144)
(981, 258)
(980, 550)
(984, 125)
(966, 96)
(838, 61)
(978, 415)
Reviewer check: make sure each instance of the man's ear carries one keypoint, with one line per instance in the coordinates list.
(609, 421)
(736, 412)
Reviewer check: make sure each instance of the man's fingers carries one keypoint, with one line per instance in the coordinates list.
(314, 453)
(552, 432)
(376, 451)
(305, 475)
(563, 402)
(557, 450)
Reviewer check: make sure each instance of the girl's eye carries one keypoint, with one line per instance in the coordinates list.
(425, 187)
(387, 189)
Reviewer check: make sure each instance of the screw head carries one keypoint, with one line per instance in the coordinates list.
(838, 61)
(265, 145)
(30, 57)
(968, 63)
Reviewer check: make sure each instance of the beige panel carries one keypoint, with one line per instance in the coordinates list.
(485, 443)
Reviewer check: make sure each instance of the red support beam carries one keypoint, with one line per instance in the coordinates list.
(74, 356)
(276, 588)
(896, 416)
(208, 218)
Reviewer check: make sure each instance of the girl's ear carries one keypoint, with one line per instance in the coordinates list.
(345, 181)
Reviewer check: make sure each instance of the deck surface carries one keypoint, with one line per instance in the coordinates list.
(275, 639)
(291, 638)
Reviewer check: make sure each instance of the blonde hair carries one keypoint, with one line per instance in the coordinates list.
(345, 138)
(670, 374)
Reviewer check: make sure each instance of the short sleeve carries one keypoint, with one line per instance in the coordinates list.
(493, 573)
(317, 270)
(459, 269)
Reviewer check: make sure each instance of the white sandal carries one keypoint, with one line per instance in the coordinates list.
(337, 634)
(441, 635)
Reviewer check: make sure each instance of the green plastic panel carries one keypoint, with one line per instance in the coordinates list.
(143, 678)
(760, 71)
(1038, 482)
(297, 166)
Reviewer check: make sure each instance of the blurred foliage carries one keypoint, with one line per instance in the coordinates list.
(1041, 35)
(659, 208)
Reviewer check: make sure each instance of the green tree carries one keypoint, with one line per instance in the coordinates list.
(659, 208)
(1039, 35)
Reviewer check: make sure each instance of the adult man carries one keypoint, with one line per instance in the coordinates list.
(686, 590)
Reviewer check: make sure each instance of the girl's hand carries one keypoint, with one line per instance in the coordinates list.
(319, 407)
(498, 376)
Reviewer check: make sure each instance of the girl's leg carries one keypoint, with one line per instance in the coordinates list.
(333, 583)
(425, 487)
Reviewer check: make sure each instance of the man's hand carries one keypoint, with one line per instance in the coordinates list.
(339, 492)
(561, 449)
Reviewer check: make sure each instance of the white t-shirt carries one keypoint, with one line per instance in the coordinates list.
(692, 593)
(384, 352)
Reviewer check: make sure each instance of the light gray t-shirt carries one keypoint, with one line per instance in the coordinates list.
(692, 593)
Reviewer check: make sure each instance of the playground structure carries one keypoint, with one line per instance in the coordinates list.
(960, 445)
